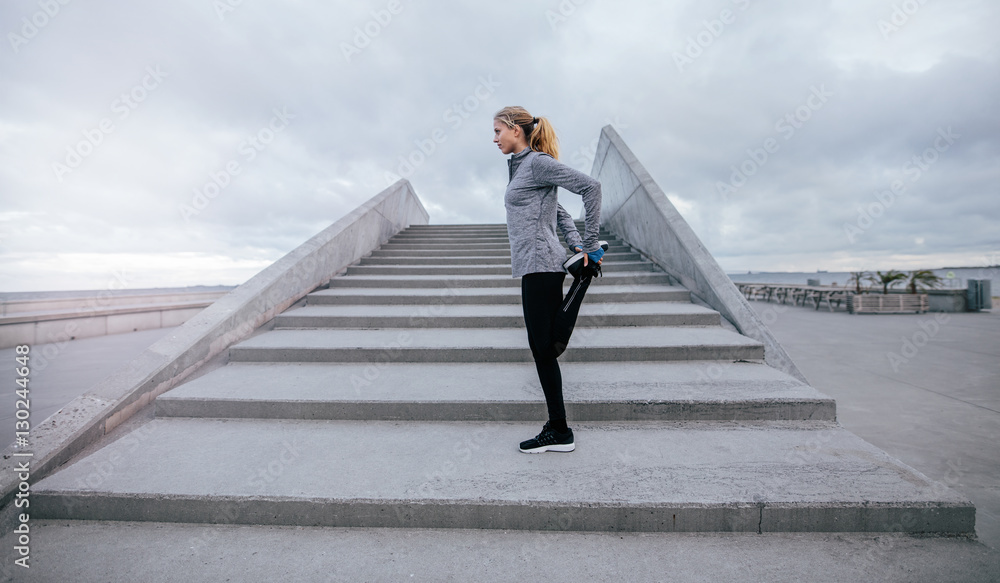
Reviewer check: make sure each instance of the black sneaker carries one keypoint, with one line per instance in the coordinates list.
(549, 440)
(574, 265)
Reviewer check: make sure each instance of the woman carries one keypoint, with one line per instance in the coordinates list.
(537, 257)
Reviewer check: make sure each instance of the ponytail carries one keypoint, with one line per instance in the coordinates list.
(544, 139)
(538, 130)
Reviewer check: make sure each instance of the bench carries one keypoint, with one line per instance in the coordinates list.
(887, 304)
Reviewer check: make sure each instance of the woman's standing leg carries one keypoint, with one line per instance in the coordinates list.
(541, 301)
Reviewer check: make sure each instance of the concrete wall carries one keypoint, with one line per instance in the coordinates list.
(54, 320)
(946, 300)
(635, 209)
(230, 319)
(100, 300)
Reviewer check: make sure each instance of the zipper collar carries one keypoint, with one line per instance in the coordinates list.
(514, 161)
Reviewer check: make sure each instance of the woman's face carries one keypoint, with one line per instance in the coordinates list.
(509, 140)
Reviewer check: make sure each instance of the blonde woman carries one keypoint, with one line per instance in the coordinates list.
(537, 257)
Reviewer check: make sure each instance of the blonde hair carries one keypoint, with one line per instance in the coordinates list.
(539, 131)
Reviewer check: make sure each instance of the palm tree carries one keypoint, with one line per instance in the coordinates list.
(857, 277)
(923, 277)
(888, 279)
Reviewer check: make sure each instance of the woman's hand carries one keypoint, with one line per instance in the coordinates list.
(586, 257)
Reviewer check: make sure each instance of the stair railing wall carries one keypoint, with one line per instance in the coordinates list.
(635, 209)
(230, 319)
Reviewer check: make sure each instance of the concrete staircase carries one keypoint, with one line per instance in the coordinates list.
(396, 397)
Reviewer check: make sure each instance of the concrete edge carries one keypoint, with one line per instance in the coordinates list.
(429, 512)
(79, 314)
(97, 300)
(696, 269)
(772, 409)
(228, 320)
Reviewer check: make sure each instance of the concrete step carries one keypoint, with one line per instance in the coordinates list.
(493, 345)
(498, 259)
(608, 391)
(452, 249)
(436, 241)
(498, 230)
(458, 239)
(417, 239)
(415, 252)
(458, 281)
(597, 294)
(94, 551)
(465, 233)
(640, 477)
(473, 245)
(417, 258)
(478, 242)
(458, 226)
(490, 316)
(445, 239)
(447, 270)
(454, 228)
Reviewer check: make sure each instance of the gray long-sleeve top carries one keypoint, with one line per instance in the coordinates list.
(533, 211)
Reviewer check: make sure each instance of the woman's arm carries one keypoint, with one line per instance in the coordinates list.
(547, 170)
(568, 228)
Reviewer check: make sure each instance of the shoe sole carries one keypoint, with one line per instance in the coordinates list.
(561, 447)
(571, 261)
(579, 257)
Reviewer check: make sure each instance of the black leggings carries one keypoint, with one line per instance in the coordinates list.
(550, 318)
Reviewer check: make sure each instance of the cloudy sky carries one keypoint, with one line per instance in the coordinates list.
(853, 134)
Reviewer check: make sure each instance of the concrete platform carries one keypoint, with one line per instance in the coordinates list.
(497, 391)
(119, 552)
(721, 475)
(765, 477)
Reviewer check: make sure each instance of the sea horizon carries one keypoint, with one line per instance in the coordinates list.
(951, 277)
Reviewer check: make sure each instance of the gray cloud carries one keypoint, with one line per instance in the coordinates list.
(424, 88)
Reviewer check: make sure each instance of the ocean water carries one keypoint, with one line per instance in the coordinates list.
(956, 278)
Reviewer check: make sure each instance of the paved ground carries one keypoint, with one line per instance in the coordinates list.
(60, 373)
(129, 552)
(925, 388)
